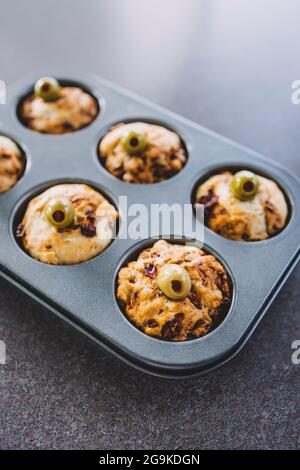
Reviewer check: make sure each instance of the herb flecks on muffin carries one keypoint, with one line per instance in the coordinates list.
(57, 109)
(174, 292)
(140, 152)
(243, 206)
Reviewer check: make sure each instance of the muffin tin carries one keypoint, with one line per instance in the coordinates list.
(84, 294)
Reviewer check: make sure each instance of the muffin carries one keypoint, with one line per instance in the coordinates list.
(11, 164)
(55, 109)
(174, 292)
(139, 152)
(67, 224)
(243, 206)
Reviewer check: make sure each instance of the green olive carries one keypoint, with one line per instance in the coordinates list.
(47, 88)
(59, 212)
(134, 143)
(174, 281)
(244, 185)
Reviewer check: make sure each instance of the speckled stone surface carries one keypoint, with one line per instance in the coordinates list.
(59, 391)
(232, 72)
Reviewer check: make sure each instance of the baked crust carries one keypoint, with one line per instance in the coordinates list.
(90, 233)
(253, 220)
(175, 320)
(73, 110)
(11, 164)
(163, 157)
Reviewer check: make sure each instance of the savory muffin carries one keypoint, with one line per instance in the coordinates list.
(55, 109)
(243, 206)
(11, 164)
(139, 152)
(174, 292)
(67, 224)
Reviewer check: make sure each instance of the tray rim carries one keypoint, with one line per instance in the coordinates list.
(151, 370)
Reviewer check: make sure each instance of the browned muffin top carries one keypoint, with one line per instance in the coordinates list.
(158, 154)
(158, 315)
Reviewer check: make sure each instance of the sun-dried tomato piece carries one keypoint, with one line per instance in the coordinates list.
(150, 270)
(88, 230)
(152, 323)
(90, 214)
(209, 200)
(195, 299)
(172, 328)
(198, 323)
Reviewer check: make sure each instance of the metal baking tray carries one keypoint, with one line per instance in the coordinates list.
(83, 295)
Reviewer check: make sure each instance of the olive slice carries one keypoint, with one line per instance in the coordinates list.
(47, 88)
(59, 212)
(174, 281)
(244, 185)
(134, 143)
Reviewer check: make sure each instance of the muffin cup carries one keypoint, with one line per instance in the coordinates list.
(259, 169)
(20, 209)
(133, 253)
(83, 295)
(25, 158)
(63, 83)
(145, 120)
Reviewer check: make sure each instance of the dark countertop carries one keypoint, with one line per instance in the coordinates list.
(228, 65)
